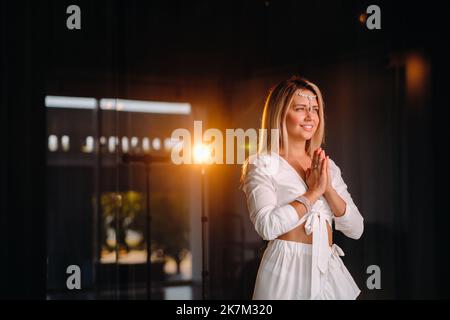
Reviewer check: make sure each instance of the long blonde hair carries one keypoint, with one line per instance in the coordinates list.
(274, 116)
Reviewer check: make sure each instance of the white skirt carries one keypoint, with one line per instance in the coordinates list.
(285, 274)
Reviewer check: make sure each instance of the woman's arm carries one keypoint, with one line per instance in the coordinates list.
(270, 219)
(336, 203)
(347, 217)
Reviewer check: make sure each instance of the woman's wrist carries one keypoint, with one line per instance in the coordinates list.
(329, 192)
(312, 196)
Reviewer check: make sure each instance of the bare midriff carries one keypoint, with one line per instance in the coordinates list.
(298, 234)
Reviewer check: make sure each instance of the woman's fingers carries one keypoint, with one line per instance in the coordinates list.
(323, 163)
(328, 170)
(316, 158)
(313, 161)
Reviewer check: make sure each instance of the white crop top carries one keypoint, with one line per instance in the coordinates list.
(271, 183)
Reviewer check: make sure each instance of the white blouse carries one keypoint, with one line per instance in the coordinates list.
(271, 183)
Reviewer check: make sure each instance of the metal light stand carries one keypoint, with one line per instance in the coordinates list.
(204, 220)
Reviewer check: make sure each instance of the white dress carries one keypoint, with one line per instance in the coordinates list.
(289, 269)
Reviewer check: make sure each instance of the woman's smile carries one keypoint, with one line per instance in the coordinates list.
(307, 127)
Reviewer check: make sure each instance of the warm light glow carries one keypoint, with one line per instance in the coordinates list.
(202, 153)
(248, 147)
(416, 73)
(363, 18)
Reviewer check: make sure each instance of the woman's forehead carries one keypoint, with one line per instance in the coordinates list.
(305, 96)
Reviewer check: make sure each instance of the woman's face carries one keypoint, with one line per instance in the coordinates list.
(302, 118)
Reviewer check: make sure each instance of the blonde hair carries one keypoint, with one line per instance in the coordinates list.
(274, 116)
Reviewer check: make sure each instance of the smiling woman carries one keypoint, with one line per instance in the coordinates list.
(294, 206)
(304, 113)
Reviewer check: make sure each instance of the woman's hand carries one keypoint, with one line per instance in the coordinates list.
(317, 177)
(329, 190)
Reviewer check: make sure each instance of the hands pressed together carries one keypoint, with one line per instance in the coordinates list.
(317, 176)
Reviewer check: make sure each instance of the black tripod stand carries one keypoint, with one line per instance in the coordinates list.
(204, 219)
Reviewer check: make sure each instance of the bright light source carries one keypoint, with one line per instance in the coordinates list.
(202, 154)
(70, 102)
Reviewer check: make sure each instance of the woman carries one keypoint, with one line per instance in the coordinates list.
(294, 191)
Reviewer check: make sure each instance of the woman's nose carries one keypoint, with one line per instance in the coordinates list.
(308, 113)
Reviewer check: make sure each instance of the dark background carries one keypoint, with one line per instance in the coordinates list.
(387, 134)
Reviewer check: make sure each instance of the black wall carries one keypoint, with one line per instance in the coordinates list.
(22, 123)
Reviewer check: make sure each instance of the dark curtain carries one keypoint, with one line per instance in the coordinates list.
(22, 124)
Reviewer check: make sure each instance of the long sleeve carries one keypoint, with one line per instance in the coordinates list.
(351, 223)
(269, 218)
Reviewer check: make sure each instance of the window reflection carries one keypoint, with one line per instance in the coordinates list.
(52, 143)
(122, 229)
(156, 144)
(169, 236)
(108, 241)
(65, 143)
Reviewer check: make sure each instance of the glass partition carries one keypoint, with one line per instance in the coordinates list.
(125, 224)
